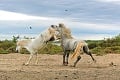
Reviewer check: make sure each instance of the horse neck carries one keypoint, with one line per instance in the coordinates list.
(45, 36)
(41, 38)
(63, 38)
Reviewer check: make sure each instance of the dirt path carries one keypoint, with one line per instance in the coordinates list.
(50, 68)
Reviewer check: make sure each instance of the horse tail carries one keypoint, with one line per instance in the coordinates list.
(77, 49)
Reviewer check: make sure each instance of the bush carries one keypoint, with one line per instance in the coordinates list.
(99, 51)
(7, 46)
(2, 51)
(114, 49)
(12, 49)
(24, 51)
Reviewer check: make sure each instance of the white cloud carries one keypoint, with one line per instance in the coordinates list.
(46, 21)
(110, 1)
(93, 26)
(93, 36)
(6, 15)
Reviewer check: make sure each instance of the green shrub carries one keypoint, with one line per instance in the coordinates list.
(2, 51)
(7, 46)
(24, 51)
(99, 51)
(12, 49)
(113, 49)
(98, 47)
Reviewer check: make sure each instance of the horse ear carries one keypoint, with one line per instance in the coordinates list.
(52, 26)
(61, 25)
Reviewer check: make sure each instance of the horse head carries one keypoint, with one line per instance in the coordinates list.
(53, 33)
(62, 31)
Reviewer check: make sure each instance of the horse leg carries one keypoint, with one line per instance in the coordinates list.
(86, 50)
(31, 56)
(67, 56)
(36, 62)
(78, 58)
(89, 53)
(64, 62)
(18, 48)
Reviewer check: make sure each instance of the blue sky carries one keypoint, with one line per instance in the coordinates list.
(87, 19)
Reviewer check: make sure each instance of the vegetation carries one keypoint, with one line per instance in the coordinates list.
(98, 47)
(109, 45)
(7, 46)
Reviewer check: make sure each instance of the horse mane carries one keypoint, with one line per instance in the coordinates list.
(66, 31)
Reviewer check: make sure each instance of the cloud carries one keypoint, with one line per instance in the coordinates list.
(110, 1)
(91, 30)
(93, 36)
(92, 26)
(6, 15)
(19, 18)
(84, 10)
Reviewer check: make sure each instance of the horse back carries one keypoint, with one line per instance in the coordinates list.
(70, 44)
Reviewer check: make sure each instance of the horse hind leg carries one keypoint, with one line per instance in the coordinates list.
(86, 50)
(18, 48)
(36, 62)
(91, 56)
(78, 58)
(31, 56)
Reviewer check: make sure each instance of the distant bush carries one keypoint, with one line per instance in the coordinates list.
(98, 47)
(98, 51)
(109, 45)
(2, 51)
(7, 46)
(94, 43)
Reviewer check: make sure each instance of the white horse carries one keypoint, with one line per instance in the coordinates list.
(34, 45)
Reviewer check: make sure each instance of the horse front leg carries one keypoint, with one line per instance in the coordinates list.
(67, 57)
(64, 54)
(65, 60)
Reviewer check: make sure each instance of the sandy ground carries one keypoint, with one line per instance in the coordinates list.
(50, 67)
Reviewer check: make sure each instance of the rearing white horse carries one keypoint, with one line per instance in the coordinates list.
(34, 45)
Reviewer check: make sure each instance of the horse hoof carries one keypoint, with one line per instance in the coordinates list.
(25, 64)
(65, 64)
(72, 65)
(95, 61)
